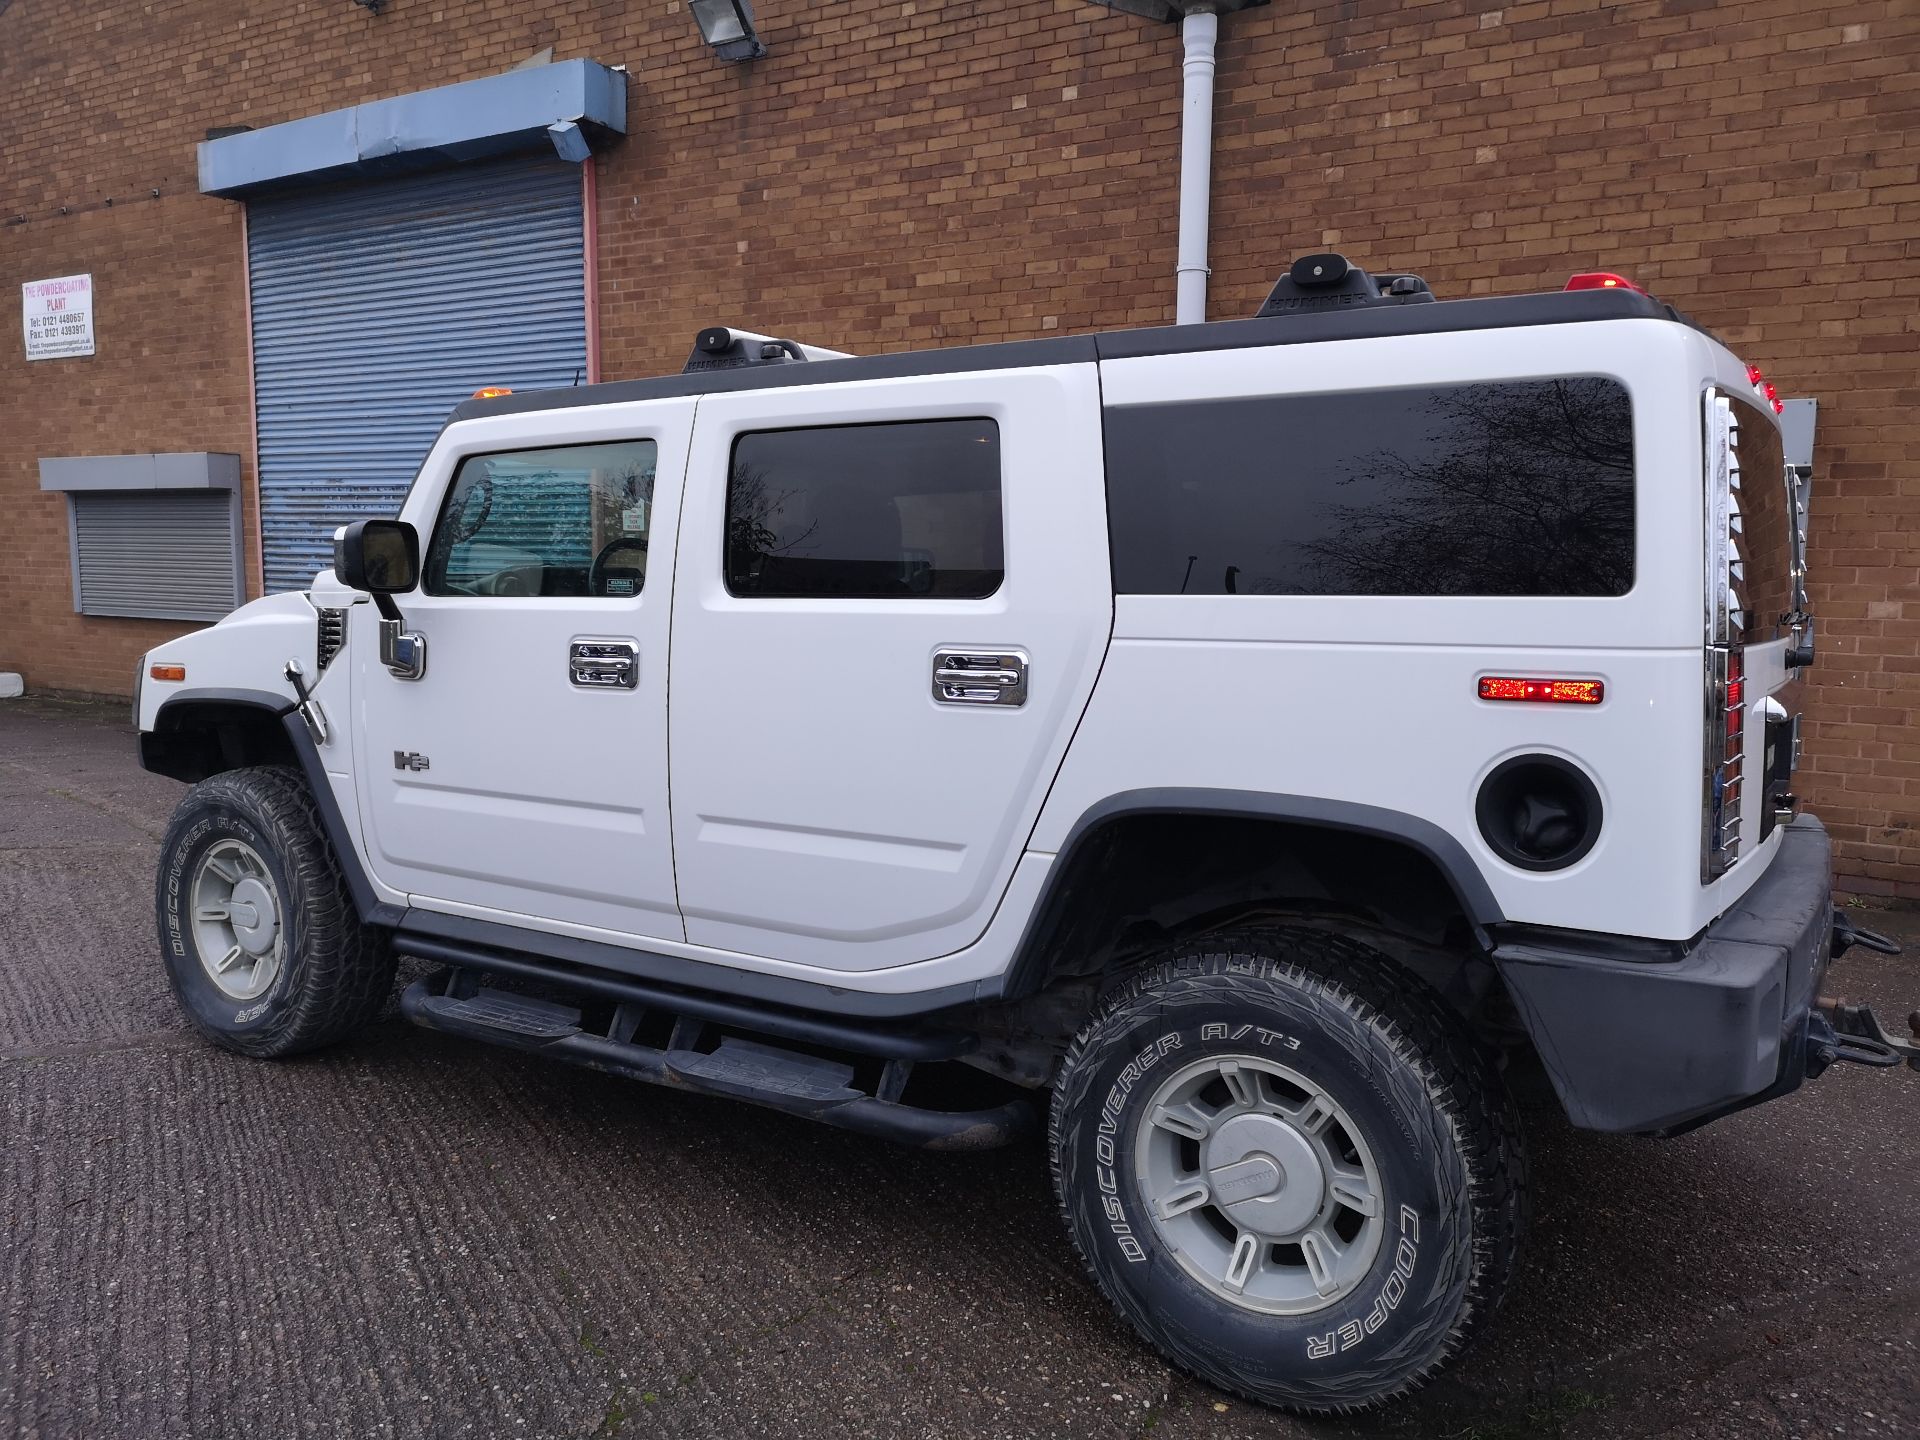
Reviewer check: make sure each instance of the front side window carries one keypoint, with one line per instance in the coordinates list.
(904, 510)
(1520, 487)
(571, 520)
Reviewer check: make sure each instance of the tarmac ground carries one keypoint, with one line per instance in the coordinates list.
(412, 1235)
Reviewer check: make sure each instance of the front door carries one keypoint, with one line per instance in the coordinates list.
(524, 776)
(891, 602)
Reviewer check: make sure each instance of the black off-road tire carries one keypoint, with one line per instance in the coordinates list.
(334, 973)
(1436, 1116)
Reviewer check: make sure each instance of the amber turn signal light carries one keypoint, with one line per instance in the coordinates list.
(168, 672)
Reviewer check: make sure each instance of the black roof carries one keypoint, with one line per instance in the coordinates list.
(1360, 323)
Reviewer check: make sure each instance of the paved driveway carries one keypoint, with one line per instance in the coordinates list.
(414, 1236)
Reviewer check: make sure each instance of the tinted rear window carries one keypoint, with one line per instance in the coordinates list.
(1508, 488)
(1765, 544)
(904, 510)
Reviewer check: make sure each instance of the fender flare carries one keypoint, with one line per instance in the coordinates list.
(372, 909)
(1027, 971)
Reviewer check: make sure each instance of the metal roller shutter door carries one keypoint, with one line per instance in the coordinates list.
(170, 554)
(379, 306)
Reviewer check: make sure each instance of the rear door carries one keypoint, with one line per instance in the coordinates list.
(524, 776)
(892, 600)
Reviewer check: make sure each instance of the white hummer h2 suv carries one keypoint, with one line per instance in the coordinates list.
(1234, 743)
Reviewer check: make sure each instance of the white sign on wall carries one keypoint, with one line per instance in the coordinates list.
(58, 317)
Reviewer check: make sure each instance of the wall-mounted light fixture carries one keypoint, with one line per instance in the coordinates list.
(727, 25)
(370, 6)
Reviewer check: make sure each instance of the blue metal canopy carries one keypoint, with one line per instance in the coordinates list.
(560, 105)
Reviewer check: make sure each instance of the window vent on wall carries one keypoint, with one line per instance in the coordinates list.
(154, 536)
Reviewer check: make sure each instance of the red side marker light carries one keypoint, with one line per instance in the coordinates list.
(1603, 280)
(1556, 692)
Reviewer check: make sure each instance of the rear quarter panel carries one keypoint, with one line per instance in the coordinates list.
(1373, 699)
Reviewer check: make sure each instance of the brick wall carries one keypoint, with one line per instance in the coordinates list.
(945, 171)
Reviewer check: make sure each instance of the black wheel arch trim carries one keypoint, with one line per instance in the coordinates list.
(267, 700)
(1029, 967)
(373, 910)
(366, 901)
(155, 749)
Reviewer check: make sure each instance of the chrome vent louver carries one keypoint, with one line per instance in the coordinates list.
(333, 635)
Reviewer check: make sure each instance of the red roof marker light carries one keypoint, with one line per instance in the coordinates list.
(1603, 280)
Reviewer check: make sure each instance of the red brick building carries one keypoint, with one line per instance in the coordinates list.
(923, 172)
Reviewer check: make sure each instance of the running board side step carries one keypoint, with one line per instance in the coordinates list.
(761, 1073)
(890, 1042)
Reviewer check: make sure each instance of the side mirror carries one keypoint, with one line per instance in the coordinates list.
(381, 557)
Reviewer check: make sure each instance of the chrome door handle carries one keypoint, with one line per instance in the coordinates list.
(604, 664)
(980, 677)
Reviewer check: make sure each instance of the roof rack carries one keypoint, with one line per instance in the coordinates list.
(1332, 282)
(721, 347)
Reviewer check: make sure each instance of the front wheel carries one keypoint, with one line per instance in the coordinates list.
(262, 944)
(1290, 1167)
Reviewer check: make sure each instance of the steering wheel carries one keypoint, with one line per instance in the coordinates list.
(597, 573)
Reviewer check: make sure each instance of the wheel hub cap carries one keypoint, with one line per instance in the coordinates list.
(236, 920)
(1264, 1174)
(256, 925)
(1259, 1184)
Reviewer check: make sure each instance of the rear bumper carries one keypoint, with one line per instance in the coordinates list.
(1659, 1045)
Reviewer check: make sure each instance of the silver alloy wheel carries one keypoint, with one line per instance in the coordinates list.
(1260, 1184)
(236, 920)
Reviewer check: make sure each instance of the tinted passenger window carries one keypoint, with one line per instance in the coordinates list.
(1509, 488)
(572, 520)
(866, 511)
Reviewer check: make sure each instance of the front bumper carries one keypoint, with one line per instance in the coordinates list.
(1660, 1045)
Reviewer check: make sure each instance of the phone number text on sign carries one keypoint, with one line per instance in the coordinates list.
(57, 316)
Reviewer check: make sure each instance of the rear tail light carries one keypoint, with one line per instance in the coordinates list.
(1761, 384)
(1726, 620)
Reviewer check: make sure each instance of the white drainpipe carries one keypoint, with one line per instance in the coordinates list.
(1198, 29)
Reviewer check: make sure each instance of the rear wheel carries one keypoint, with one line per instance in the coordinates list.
(262, 944)
(1290, 1167)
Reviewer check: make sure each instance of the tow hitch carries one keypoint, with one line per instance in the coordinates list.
(1840, 1030)
(1846, 935)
